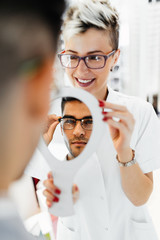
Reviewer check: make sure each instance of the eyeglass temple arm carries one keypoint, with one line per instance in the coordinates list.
(110, 54)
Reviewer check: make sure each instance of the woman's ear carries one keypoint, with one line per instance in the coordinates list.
(38, 90)
(116, 56)
(115, 59)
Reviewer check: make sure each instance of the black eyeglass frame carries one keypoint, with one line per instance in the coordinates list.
(84, 59)
(76, 119)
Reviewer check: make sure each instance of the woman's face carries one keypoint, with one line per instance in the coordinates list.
(91, 42)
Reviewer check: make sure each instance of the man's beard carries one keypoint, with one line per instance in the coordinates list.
(76, 139)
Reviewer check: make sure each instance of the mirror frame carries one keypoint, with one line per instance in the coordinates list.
(97, 132)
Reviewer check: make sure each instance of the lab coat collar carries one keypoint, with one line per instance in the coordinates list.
(112, 95)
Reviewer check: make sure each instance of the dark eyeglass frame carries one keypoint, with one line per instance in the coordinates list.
(76, 119)
(84, 59)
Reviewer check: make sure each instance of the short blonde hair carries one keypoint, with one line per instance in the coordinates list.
(91, 14)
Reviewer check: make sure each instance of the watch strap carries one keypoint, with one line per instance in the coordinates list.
(127, 164)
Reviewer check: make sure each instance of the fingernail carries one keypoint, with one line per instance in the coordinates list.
(103, 112)
(76, 188)
(105, 118)
(49, 205)
(55, 199)
(50, 175)
(57, 191)
(101, 103)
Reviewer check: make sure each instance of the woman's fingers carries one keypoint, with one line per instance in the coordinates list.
(115, 107)
(75, 193)
(49, 203)
(118, 125)
(50, 176)
(51, 187)
(125, 117)
(50, 192)
(49, 184)
(48, 195)
(118, 113)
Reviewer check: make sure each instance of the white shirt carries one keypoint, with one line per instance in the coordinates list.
(103, 210)
(11, 226)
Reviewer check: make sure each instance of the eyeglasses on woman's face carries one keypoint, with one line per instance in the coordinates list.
(97, 61)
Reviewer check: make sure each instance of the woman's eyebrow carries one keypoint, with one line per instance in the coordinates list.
(95, 51)
(71, 51)
(90, 52)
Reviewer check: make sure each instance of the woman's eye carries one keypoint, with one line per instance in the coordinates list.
(73, 57)
(95, 58)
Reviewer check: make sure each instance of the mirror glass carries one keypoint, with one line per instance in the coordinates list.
(68, 129)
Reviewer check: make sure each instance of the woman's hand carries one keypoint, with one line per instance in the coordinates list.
(121, 125)
(52, 191)
(51, 124)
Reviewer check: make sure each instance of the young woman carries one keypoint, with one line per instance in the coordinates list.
(123, 184)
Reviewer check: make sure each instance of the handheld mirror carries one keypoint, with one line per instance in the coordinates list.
(76, 137)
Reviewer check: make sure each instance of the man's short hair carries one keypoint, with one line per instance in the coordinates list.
(68, 99)
(20, 22)
(88, 14)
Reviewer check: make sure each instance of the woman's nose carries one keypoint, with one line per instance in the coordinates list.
(82, 67)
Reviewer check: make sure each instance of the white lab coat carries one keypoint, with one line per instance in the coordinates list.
(103, 211)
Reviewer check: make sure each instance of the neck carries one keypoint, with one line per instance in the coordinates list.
(102, 95)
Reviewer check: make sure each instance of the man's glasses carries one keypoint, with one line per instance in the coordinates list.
(69, 123)
(91, 61)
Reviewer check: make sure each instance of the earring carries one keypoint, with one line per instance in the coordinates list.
(114, 68)
(111, 69)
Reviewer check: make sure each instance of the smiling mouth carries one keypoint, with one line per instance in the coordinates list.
(84, 82)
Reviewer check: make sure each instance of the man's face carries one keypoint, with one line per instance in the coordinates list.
(77, 138)
(90, 43)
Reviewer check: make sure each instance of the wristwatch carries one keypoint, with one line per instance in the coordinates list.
(127, 164)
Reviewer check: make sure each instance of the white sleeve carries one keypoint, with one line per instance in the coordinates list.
(147, 146)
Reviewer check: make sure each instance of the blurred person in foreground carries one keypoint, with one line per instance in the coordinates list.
(28, 39)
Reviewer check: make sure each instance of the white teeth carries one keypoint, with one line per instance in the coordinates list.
(84, 81)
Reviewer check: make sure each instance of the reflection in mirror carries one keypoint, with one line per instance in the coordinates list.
(70, 126)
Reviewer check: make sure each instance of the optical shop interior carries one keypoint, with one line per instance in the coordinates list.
(95, 171)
